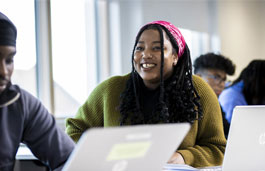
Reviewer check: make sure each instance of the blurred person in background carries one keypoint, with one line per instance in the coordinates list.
(247, 89)
(214, 68)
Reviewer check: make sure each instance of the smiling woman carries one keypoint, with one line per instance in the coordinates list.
(159, 89)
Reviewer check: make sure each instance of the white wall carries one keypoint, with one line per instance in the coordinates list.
(188, 14)
(130, 22)
(240, 25)
(182, 13)
(242, 31)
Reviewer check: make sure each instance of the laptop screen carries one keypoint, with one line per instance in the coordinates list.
(245, 148)
(130, 148)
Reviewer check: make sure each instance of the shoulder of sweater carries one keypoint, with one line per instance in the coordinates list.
(202, 87)
(196, 78)
(230, 94)
(199, 83)
(24, 94)
(118, 81)
(236, 88)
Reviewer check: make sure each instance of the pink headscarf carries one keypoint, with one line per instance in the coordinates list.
(175, 33)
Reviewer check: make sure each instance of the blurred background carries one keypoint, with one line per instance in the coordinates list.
(66, 47)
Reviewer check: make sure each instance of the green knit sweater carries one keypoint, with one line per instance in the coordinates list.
(203, 146)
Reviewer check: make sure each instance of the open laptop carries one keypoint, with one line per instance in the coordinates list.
(127, 148)
(245, 148)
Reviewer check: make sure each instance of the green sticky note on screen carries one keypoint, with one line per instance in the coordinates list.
(128, 150)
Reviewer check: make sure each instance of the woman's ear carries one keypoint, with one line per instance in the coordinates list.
(175, 59)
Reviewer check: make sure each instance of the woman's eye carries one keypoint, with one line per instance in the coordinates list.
(157, 48)
(138, 48)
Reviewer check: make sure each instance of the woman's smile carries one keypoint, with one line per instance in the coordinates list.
(148, 66)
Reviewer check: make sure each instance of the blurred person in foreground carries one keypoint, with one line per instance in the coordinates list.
(22, 117)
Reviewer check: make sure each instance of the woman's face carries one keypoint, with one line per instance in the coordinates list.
(147, 58)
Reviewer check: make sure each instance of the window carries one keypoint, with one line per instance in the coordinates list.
(86, 42)
(200, 42)
(73, 54)
(23, 16)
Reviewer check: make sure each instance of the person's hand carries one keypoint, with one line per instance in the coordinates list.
(176, 158)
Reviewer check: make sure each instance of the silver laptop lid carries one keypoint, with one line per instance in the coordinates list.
(245, 148)
(127, 148)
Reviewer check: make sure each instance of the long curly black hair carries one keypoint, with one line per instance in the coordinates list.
(254, 82)
(178, 99)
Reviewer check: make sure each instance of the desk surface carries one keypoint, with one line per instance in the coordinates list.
(25, 160)
(178, 167)
(24, 153)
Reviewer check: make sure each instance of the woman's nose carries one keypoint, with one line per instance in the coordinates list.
(147, 54)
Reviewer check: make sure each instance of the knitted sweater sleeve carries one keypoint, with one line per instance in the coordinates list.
(100, 109)
(205, 143)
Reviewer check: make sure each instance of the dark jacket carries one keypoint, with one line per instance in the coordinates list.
(225, 123)
(24, 119)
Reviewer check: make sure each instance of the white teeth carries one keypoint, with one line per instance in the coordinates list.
(148, 65)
